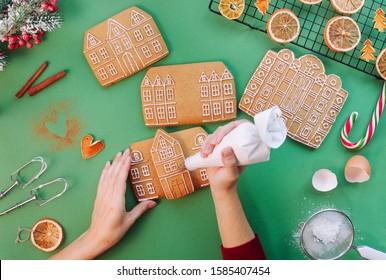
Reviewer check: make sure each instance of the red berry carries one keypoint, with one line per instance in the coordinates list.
(55, 9)
(50, 8)
(45, 5)
(11, 47)
(29, 45)
(26, 37)
(6, 38)
(17, 45)
(22, 43)
(41, 33)
(53, 2)
(13, 39)
(37, 41)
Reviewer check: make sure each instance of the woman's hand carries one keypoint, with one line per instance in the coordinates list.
(109, 221)
(232, 223)
(223, 178)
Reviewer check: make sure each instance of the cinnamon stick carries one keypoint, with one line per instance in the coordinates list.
(32, 80)
(35, 89)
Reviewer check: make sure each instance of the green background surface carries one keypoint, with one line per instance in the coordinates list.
(277, 195)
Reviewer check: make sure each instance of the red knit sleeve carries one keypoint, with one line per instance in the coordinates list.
(252, 250)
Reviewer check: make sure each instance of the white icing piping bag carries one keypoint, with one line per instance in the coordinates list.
(250, 142)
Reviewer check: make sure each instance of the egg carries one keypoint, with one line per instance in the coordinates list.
(324, 180)
(357, 169)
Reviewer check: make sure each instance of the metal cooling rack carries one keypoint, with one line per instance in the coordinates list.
(313, 19)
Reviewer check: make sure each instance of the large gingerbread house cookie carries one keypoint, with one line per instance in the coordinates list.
(188, 94)
(156, 171)
(309, 99)
(123, 45)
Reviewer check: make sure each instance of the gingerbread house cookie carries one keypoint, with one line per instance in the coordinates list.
(156, 171)
(309, 99)
(123, 45)
(188, 94)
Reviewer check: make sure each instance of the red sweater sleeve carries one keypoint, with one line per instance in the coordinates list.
(252, 250)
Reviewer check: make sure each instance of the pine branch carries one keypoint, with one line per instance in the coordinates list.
(46, 23)
(4, 4)
(3, 62)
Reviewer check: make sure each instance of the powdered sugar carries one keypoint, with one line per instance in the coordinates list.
(327, 235)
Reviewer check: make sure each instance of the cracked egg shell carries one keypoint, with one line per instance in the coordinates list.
(324, 180)
(357, 169)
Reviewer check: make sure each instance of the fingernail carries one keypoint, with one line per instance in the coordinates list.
(206, 148)
(227, 152)
(151, 204)
(215, 140)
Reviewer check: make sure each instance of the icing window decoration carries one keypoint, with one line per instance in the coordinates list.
(205, 110)
(104, 53)
(103, 74)
(147, 95)
(146, 51)
(94, 58)
(136, 156)
(170, 93)
(145, 170)
(172, 112)
(113, 70)
(159, 94)
(204, 91)
(140, 190)
(138, 35)
(228, 89)
(150, 188)
(163, 157)
(309, 99)
(135, 173)
(149, 114)
(204, 175)
(148, 29)
(188, 94)
(156, 46)
(229, 107)
(126, 43)
(117, 48)
(121, 40)
(217, 109)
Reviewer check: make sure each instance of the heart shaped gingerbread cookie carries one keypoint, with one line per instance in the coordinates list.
(90, 148)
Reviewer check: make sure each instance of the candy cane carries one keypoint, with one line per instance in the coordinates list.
(370, 129)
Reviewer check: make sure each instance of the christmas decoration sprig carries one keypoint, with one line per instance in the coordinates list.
(24, 22)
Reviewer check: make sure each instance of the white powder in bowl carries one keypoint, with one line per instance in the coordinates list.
(327, 235)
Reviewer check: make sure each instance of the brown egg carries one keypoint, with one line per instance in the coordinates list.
(357, 169)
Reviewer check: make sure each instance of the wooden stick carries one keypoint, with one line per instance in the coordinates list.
(35, 89)
(32, 80)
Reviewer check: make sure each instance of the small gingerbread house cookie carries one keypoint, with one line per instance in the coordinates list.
(188, 94)
(156, 171)
(309, 99)
(123, 45)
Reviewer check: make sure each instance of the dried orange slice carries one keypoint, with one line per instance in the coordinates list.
(347, 6)
(381, 64)
(46, 235)
(231, 9)
(342, 34)
(283, 26)
(311, 2)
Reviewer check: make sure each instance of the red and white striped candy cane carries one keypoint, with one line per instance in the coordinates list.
(370, 128)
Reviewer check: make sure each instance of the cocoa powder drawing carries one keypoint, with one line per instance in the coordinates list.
(54, 141)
